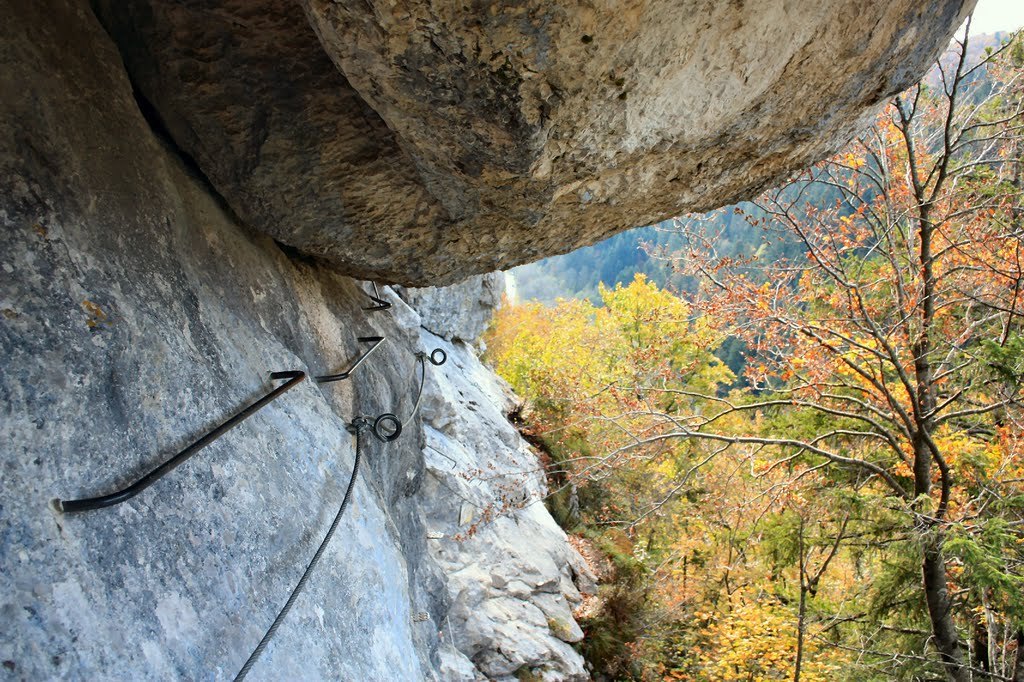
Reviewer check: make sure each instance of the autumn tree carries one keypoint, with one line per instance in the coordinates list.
(598, 380)
(861, 495)
(895, 347)
(683, 522)
(603, 374)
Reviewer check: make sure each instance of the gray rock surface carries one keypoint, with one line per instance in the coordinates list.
(136, 312)
(512, 576)
(455, 139)
(245, 89)
(458, 312)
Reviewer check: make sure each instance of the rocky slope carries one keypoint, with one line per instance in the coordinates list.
(512, 578)
(138, 312)
(423, 142)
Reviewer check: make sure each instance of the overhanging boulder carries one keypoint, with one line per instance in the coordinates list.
(421, 143)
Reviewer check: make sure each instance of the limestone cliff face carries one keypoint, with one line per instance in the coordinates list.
(142, 302)
(420, 143)
(512, 578)
(136, 312)
(460, 312)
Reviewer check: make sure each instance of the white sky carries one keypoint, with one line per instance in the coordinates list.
(997, 15)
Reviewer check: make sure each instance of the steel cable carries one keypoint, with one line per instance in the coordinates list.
(357, 426)
(437, 358)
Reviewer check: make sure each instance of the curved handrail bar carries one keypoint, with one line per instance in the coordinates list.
(375, 340)
(88, 504)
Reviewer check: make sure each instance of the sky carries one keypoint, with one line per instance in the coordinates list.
(997, 15)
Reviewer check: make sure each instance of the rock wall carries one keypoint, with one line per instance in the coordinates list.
(421, 143)
(460, 312)
(541, 127)
(512, 578)
(136, 312)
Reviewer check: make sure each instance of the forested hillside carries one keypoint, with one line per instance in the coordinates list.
(853, 509)
(652, 250)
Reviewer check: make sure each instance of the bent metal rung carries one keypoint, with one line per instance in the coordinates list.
(66, 506)
(375, 340)
(378, 302)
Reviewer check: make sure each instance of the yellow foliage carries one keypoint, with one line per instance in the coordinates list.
(755, 641)
(577, 359)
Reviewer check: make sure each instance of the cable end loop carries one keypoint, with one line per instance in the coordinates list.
(386, 428)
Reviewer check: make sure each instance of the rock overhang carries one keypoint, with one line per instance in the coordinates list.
(421, 143)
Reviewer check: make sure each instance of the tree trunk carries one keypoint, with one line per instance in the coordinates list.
(1018, 666)
(801, 624)
(940, 610)
(991, 634)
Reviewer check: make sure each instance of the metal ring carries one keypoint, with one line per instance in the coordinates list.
(434, 361)
(387, 427)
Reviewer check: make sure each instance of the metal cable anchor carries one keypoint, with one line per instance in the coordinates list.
(388, 427)
(437, 358)
(378, 302)
(88, 504)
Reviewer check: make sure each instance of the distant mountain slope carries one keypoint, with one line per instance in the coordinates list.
(648, 249)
